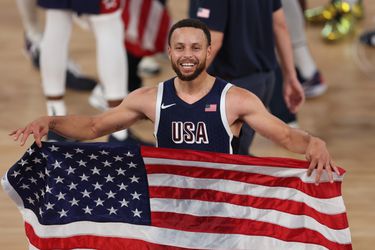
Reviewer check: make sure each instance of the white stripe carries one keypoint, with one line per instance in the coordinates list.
(326, 206)
(165, 236)
(134, 15)
(223, 114)
(220, 209)
(271, 171)
(152, 26)
(159, 99)
(9, 190)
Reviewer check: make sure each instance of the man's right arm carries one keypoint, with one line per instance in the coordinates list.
(84, 127)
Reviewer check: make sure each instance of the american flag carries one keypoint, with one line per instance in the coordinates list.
(210, 108)
(147, 23)
(111, 196)
(203, 12)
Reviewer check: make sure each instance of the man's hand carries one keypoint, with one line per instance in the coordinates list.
(38, 128)
(293, 94)
(318, 156)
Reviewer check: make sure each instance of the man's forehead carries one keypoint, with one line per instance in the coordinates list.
(190, 33)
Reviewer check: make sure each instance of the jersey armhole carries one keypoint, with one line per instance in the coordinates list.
(223, 114)
(159, 99)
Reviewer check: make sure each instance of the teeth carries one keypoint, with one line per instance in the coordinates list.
(187, 64)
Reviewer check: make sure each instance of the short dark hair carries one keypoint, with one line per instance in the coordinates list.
(193, 23)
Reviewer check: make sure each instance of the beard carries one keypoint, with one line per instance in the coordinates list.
(189, 77)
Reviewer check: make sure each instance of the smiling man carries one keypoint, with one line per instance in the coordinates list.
(191, 111)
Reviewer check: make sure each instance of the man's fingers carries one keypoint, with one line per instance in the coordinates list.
(329, 172)
(334, 167)
(319, 172)
(311, 167)
(24, 137)
(37, 138)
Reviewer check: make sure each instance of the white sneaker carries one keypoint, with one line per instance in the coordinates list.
(97, 99)
(148, 66)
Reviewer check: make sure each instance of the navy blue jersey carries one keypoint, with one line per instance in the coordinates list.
(202, 125)
(82, 6)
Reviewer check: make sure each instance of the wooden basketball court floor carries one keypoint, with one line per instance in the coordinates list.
(344, 117)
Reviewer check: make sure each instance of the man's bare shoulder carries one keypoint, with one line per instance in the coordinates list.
(242, 101)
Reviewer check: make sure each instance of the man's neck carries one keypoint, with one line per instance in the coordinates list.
(192, 91)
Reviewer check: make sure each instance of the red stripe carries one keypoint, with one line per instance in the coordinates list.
(193, 155)
(241, 226)
(144, 15)
(125, 14)
(337, 221)
(323, 191)
(161, 39)
(91, 241)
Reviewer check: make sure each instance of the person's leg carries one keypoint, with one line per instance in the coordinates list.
(111, 59)
(53, 61)
(28, 13)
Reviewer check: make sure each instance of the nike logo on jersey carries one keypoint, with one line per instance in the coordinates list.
(167, 106)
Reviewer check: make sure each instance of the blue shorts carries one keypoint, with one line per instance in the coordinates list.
(82, 6)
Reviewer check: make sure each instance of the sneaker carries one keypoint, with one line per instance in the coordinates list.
(32, 51)
(368, 38)
(74, 78)
(97, 99)
(131, 139)
(76, 81)
(313, 87)
(148, 67)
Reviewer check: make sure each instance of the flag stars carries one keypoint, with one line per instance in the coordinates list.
(93, 157)
(70, 170)
(37, 160)
(41, 212)
(99, 202)
(97, 186)
(48, 189)
(57, 164)
(135, 195)
(41, 175)
(124, 203)
(58, 179)
(31, 200)
(122, 187)
(63, 213)
(47, 172)
(87, 210)
(24, 186)
(110, 194)
(134, 179)
(33, 180)
(67, 155)
(136, 213)
(49, 206)
(15, 173)
(120, 171)
(54, 148)
(81, 163)
(109, 178)
(132, 165)
(45, 156)
(29, 168)
(129, 154)
(84, 177)
(95, 171)
(22, 162)
(85, 193)
(73, 202)
(60, 196)
(107, 163)
(79, 150)
(103, 152)
(112, 210)
(30, 151)
(72, 186)
(118, 158)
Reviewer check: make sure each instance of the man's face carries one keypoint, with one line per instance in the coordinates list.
(188, 52)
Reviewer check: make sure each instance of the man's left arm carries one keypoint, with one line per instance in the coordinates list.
(293, 92)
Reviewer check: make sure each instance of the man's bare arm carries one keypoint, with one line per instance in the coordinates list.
(82, 127)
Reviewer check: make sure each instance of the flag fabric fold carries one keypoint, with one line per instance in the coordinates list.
(112, 196)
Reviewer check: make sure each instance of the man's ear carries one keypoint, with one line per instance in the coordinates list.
(169, 51)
